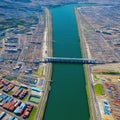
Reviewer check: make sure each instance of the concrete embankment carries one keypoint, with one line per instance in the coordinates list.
(89, 86)
(48, 67)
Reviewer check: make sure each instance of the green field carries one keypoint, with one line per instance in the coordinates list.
(96, 78)
(25, 98)
(10, 92)
(34, 99)
(98, 89)
(32, 114)
(112, 73)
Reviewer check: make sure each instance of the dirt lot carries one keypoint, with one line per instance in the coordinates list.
(106, 67)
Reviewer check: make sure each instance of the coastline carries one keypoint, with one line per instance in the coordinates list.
(48, 67)
(86, 68)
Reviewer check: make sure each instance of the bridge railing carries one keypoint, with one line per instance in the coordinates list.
(69, 60)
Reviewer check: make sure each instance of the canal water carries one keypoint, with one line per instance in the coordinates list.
(67, 99)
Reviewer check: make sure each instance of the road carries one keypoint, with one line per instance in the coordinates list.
(48, 67)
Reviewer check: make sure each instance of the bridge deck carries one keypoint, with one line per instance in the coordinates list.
(68, 60)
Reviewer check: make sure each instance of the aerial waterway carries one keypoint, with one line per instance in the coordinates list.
(67, 99)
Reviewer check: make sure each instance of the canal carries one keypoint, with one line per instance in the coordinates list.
(67, 99)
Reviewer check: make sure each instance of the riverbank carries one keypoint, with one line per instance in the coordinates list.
(105, 75)
(68, 78)
(89, 89)
(46, 52)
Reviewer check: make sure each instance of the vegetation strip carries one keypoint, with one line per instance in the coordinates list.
(98, 89)
(85, 71)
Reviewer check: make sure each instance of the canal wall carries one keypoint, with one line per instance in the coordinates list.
(87, 71)
(48, 67)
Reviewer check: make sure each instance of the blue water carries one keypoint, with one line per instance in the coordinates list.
(67, 99)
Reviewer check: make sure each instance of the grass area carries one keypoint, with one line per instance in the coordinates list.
(88, 94)
(32, 114)
(96, 78)
(14, 22)
(88, 98)
(9, 78)
(10, 93)
(34, 99)
(42, 70)
(39, 72)
(98, 89)
(25, 98)
(111, 72)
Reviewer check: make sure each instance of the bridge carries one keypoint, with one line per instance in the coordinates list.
(67, 60)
